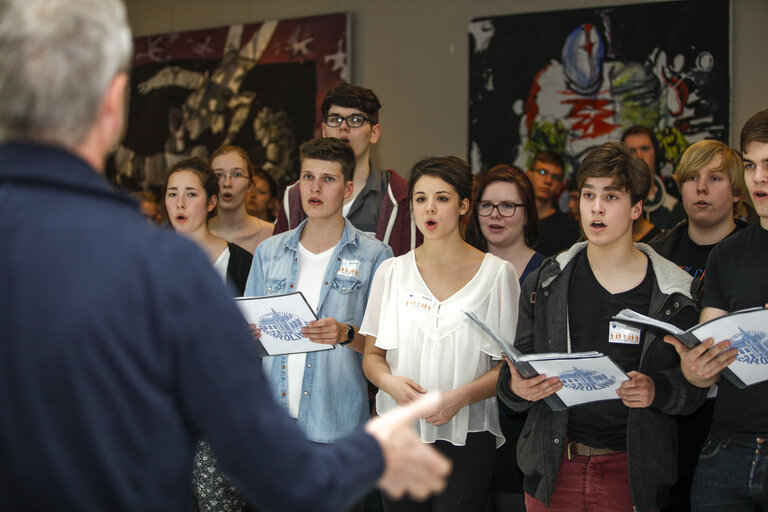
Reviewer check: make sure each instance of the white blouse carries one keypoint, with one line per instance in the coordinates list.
(436, 344)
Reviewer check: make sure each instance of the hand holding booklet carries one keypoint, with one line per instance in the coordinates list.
(280, 318)
(746, 329)
(586, 376)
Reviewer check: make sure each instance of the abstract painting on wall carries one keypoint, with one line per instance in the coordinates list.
(258, 86)
(570, 80)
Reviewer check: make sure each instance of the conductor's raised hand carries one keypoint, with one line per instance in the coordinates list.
(533, 389)
(702, 364)
(411, 467)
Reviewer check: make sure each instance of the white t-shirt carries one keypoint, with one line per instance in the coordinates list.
(309, 282)
(435, 343)
(222, 262)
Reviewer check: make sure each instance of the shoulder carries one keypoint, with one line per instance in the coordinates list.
(275, 242)
(398, 186)
(371, 244)
(238, 253)
(670, 278)
(661, 242)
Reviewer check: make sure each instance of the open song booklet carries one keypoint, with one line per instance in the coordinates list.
(746, 329)
(586, 376)
(280, 318)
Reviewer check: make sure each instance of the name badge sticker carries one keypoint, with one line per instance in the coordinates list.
(420, 302)
(349, 268)
(623, 334)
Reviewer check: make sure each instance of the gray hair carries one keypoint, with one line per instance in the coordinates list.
(57, 59)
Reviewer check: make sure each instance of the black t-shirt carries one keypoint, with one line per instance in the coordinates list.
(556, 232)
(602, 424)
(737, 278)
(691, 256)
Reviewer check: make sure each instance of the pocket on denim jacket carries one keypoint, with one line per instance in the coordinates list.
(345, 285)
(274, 286)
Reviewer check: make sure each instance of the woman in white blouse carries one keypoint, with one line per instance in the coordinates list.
(418, 339)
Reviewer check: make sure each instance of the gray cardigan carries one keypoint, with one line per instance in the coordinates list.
(651, 432)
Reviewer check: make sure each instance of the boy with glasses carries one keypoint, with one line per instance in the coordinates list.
(379, 201)
(556, 230)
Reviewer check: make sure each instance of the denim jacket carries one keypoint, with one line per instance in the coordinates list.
(334, 399)
(651, 431)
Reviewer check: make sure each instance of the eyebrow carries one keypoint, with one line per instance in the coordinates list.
(610, 188)
(438, 192)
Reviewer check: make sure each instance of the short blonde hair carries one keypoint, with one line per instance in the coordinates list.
(701, 153)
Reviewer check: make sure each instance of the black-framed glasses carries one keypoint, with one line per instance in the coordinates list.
(485, 208)
(353, 121)
(545, 172)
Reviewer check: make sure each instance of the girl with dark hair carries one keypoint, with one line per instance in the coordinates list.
(504, 221)
(261, 200)
(418, 339)
(191, 196)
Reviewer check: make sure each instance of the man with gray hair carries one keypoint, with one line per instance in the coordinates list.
(120, 347)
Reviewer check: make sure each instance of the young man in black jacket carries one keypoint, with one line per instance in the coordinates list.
(617, 454)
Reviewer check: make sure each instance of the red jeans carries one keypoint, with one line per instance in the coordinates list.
(589, 484)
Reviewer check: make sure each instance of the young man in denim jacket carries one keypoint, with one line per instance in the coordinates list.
(332, 263)
(618, 454)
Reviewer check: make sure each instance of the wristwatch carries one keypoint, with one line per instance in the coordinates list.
(350, 336)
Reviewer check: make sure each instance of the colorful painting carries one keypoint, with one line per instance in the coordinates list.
(258, 86)
(570, 80)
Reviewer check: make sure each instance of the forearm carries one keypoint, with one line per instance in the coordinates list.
(479, 389)
(358, 343)
(375, 366)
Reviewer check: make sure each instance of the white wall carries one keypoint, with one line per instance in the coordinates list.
(414, 55)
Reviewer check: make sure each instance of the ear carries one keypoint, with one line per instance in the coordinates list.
(349, 187)
(637, 210)
(323, 129)
(464, 206)
(212, 202)
(375, 133)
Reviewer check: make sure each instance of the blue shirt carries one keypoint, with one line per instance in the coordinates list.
(120, 348)
(334, 399)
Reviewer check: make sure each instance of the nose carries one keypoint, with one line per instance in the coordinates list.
(597, 205)
(701, 186)
(495, 214)
(761, 172)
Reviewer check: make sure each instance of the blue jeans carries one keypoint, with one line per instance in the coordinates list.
(730, 476)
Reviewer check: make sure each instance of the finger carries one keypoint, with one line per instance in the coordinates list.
(721, 362)
(415, 386)
(679, 346)
(422, 406)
